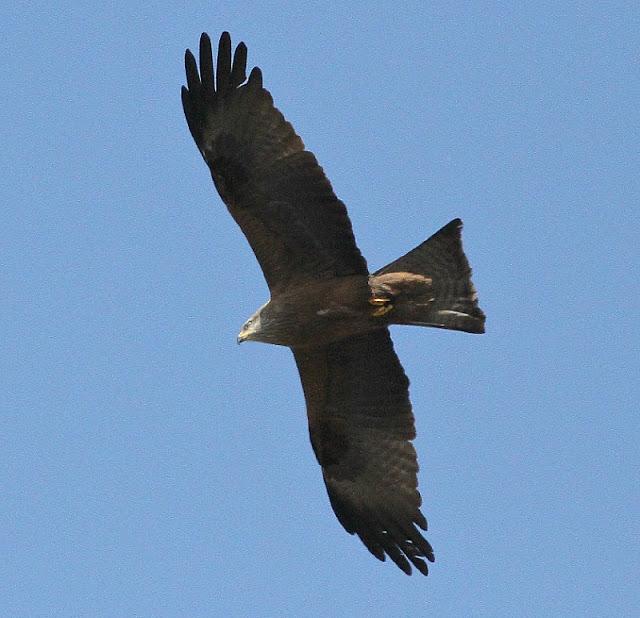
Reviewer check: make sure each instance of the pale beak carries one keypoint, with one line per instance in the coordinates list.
(241, 337)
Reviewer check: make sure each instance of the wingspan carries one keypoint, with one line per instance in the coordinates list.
(361, 427)
(273, 187)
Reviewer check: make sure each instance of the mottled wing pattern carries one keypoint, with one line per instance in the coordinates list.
(273, 187)
(361, 426)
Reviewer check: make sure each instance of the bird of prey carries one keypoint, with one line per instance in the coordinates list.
(325, 304)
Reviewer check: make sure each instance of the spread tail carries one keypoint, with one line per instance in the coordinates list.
(431, 285)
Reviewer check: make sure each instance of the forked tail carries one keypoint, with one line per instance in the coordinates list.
(431, 285)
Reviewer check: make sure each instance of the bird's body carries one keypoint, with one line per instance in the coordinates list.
(325, 304)
(319, 312)
(326, 311)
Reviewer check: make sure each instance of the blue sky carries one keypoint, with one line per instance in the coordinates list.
(152, 467)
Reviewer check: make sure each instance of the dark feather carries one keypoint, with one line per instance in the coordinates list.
(274, 189)
(361, 426)
(451, 300)
(206, 64)
(239, 69)
(223, 71)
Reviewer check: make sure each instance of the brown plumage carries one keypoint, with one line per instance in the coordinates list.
(325, 305)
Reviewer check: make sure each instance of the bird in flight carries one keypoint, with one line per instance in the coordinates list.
(325, 304)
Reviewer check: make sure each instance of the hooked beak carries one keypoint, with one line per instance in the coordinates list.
(241, 337)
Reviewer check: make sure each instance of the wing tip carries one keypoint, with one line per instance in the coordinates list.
(420, 520)
(255, 78)
(229, 74)
(405, 547)
(191, 70)
(205, 39)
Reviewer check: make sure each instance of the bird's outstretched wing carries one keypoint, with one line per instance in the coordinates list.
(361, 427)
(274, 188)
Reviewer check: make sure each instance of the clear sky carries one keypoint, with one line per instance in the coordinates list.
(151, 467)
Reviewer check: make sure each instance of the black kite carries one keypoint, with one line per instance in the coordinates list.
(325, 305)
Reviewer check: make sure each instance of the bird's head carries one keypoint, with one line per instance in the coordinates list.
(268, 325)
(251, 328)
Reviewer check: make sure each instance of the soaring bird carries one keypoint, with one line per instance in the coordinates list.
(325, 304)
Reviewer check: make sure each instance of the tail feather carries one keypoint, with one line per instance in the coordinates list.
(449, 300)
